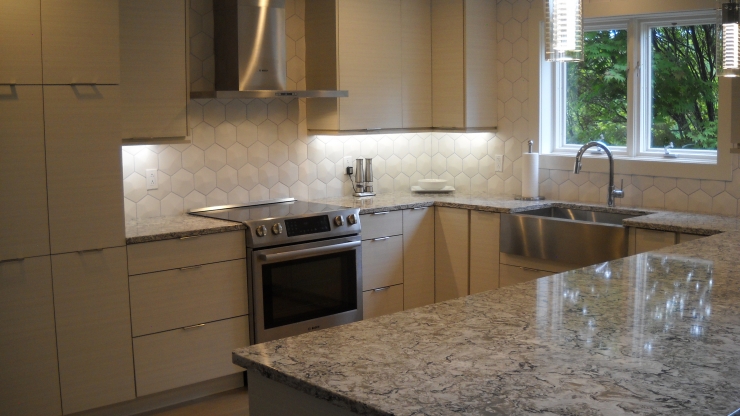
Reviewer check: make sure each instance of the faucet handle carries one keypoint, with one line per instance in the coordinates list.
(619, 193)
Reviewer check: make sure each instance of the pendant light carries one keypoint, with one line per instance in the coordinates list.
(564, 30)
(728, 42)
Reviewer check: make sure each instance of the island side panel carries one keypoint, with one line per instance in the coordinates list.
(270, 398)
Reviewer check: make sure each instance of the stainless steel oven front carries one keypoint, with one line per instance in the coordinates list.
(305, 287)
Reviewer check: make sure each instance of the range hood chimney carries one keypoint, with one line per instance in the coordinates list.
(249, 46)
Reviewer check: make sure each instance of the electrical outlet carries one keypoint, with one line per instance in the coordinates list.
(347, 162)
(151, 179)
(499, 163)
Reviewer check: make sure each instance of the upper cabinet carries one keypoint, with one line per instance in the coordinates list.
(80, 41)
(20, 42)
(464, 64)
(153, 69)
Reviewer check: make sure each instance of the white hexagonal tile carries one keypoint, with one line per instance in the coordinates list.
(297, 152)
(195, 112)
(334, 188)
(439, 164)
(294, 27)
(277, 111)
(259, 193)
(269, 175)
(487, 167)
(588, 192)
(170, 161)
(296, 69)
(134, 187)
(325, 171)
(194, 200)
(368, 148)
(217, 197)
(205, 181)
(316, 151)
(424, 164)
(193, 159)
(385, 148)
(416, 146)
(446, 146)
(236, 112)
(454, 165)
(145, 159)
(307, 172)
(462, 147)
(248, 177)
(513, 150)
(215, 157)
(182, 183)
(676, 200)
(317, 189)
(287, 132)
(257, 112)
(408, 165)
(227, 179)
(258, 154)
(164, 186)
(688, 186)
(334, 150)
(204, 136)
(171, 205)
(127, 162)
(400, 146)
(299, 190)
(237, 156)
(462, 183)
(470, 166)
(225, 135)
(278, 153)
(267, 132)
(279, 191)
(288, 173)
(246, 134)
(712, 188)
(201, 46)
(701, 202)
(393, 166)
(129, 209)
(569, 191)
(148, 207)
(513, 70)
(642, 182)
(378, 167)
(513, 109)
(214, 113)
(724, 204)
(653, 198)
(238, 195)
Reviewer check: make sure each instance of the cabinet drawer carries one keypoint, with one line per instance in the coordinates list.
(177, 298)
(512, 275)
(186, 356)
(185, 252)
(382, 262)
(382, 301)
(381, 224)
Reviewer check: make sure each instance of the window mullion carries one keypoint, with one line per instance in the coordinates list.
(634, 77)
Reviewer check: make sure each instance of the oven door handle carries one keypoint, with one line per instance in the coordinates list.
(309, 252)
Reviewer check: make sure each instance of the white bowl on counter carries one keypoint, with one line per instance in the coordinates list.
(432, 184)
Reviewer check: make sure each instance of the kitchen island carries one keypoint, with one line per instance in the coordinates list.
(656, 333)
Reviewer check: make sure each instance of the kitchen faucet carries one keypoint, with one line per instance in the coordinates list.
(613, 192)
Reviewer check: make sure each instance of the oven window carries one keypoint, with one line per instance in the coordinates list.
(309, 288)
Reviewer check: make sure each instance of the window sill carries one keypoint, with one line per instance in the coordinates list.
(646, 166)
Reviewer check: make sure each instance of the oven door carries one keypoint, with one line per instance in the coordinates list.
(306, 287)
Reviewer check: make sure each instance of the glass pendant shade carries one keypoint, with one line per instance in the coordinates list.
(728, 42)
(563, 30)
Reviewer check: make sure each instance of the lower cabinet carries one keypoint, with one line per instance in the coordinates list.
(418, 257)
(484, 251)
(382, 262)
(189, 355)
(512, 275)
(93, 323)
(28, 349)
(382, 301)
(451, 251)
(643, 240)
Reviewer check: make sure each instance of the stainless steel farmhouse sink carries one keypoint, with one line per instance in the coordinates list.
(577, 237)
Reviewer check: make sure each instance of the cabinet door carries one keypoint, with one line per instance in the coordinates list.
(418, 257)
(451, 243)
(369, 47)
(20, 42)
(153, 79)
(80, 41)
(650, 240)
(416, 40)
(83, 159)
(25, 230)
(480, 64)
(28, 351)
(684, 238)
(93, 320)
(484, 251)
(512, 275)
(382, 301)
(448, 54)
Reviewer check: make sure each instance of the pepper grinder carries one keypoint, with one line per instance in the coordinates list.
(359, 176)
(368, 175)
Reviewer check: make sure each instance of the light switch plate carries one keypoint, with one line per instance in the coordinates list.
(151, 179)
(499, 163)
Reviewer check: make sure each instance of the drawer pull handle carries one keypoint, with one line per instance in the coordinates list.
(381, 289)
(189, 237)
(182, 269)
(92, 250)
(11, 260)
(530, 269)
(380, 239)
(420, 208)
(187, 328)
(381, 213)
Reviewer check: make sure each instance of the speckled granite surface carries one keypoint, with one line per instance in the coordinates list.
(165, 228)
(653, 334)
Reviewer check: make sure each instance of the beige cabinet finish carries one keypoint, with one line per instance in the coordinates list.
(650, 240)
(418, 257)
(29, 380)
(83, 160)
(381, 224)
(178, 298)
(153, 63)
(185, 252)
(181, 357)
(464, 64)
(451, 242)
(24, 220)
(382, 262)
(416, 43)
(684, 238)
(512, 275)
(382, 301)
(80, 40)
(484, 251)
(534, 263)
(20, 42)
(91, 302)
(368, 61)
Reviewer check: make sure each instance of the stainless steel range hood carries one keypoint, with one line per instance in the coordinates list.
(249, 46)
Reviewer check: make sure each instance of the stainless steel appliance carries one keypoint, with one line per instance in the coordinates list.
(304, 262)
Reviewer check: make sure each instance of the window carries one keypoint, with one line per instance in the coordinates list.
(646, 82)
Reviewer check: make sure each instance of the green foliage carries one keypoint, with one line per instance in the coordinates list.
(685, 88)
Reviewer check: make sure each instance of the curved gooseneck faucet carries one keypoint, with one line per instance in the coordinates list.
(613, 192)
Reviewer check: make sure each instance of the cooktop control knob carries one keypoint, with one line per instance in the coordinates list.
(261, 231)
(338, 220)
(352, 219)
(277, 228)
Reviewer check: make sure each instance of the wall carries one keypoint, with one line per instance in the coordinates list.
(246, 150)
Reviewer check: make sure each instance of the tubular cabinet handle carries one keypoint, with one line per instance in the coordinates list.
(187, 328)
(529, 269)
(381, 213)
(381, 289)
(92, 250)
(19, 259)
(182, 269)
(189, 237)
(419, 208)
(380, 239)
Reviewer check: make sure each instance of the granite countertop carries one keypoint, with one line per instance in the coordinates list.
(163, 228)
(656, 333)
